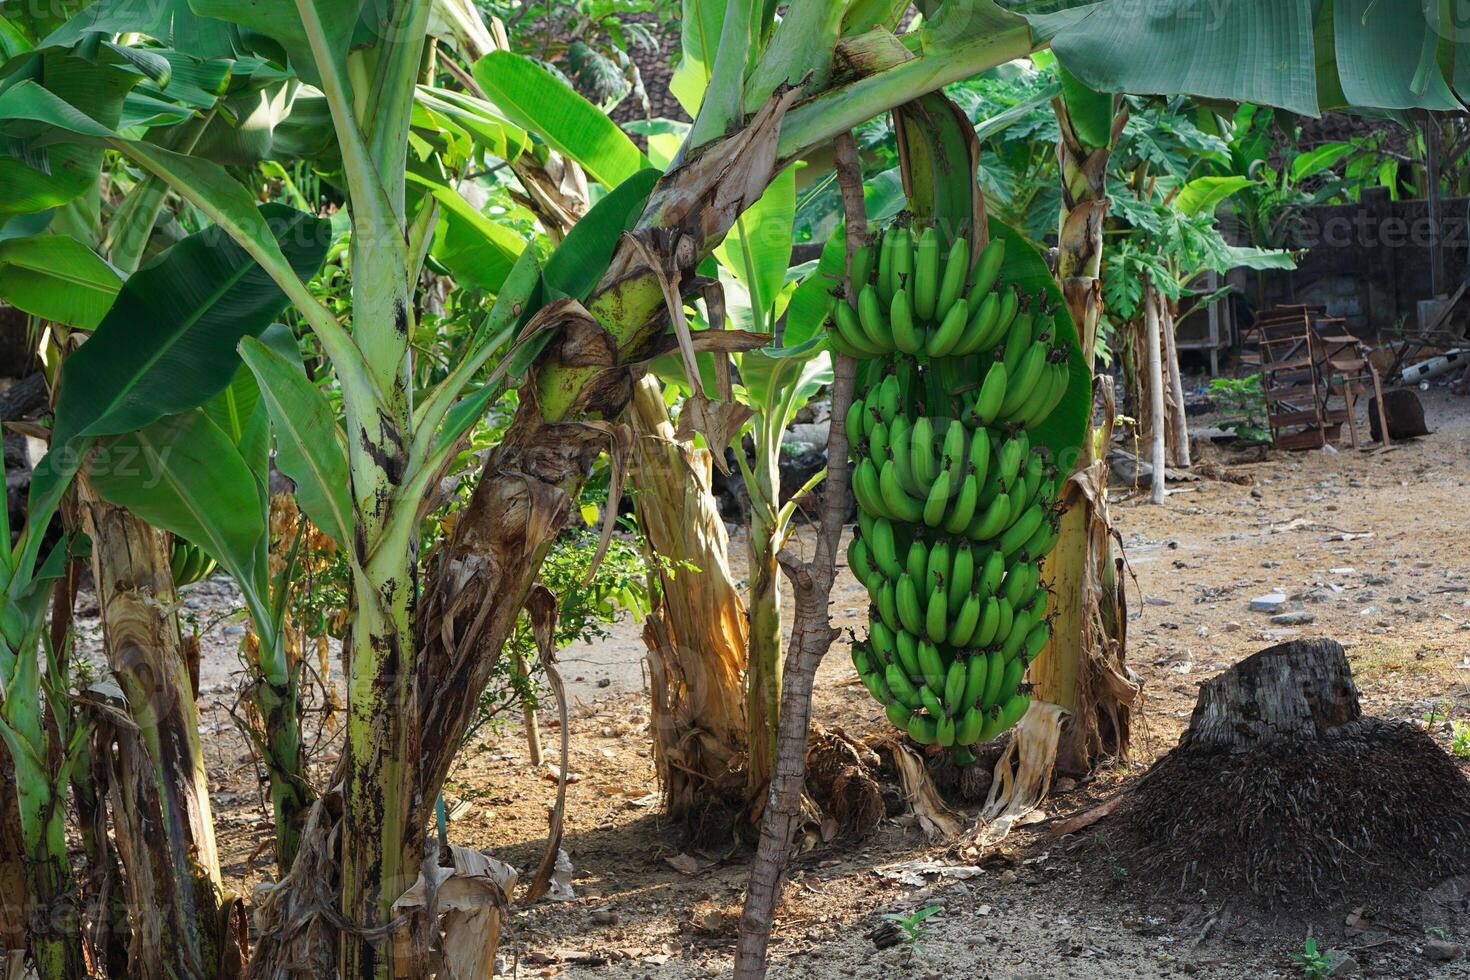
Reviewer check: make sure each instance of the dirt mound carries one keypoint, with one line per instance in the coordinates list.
(1367, 808)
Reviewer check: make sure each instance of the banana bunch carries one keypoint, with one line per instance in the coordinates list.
(956, 507)
(188, 562)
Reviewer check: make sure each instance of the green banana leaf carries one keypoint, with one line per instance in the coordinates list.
(758, 248)
(168, 343)
(1066, 427)
(1301, 55)
(56, 277)
(534, 99)
(309, 445)
(238, 410)
(184, 475)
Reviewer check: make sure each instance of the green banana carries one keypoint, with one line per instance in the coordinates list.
(895, 499)
(926, 273)
(878, 444)
(884, 281)
(979, 457)
(978, 326)
(869, 500)
(1028, 373)
(934, 508)
(887, 398)
(1025, 526)
(1036, 639)
(961, 576)
(962, 626)
(883, 642)
(1016, 637)
(1019, 583)
(853, 425)
(902, 688)
(963, 510)
(887, 604)
(923, 730)
(850, 329)
(992, 394)
(870, 317)
(1015, 670)
(975, 671)
(898, 715)
(907, 646)
(987, 268)
(860, 269)
(952, 454)
(885, 548)
(1007, 619)
(954, 688)
(925, 465)
(991, 521)
(907, 336)
(956, 270)
(903, 259)
(995, 669)
(985, 631)
(1017, 340)
(945, 734)
(861, 563)
(967, 731)
(917, 564)
(900, 443)
(936, 616)
(910, 613)
(937, 572)
(930, 700)
(1014, 711)
(1028, 413)
(991, 573)
(944, 340)
(931, 664)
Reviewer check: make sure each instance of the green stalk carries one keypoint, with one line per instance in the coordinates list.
(766, 656)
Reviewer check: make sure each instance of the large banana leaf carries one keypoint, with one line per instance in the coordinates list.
(168, 343)
(56, 277)
(183, 474)
(475, 248)
(534, 99)
(758, 248)
(1301, 55)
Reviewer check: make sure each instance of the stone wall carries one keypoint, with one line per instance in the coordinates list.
(1367, 262)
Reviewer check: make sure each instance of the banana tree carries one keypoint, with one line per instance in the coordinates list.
(590, 318)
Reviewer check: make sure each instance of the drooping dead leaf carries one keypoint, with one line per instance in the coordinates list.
(541, 605)
(468, 899)
(1023, 774)
(936, 819)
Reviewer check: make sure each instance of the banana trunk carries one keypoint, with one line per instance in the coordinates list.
(697, 636)
(164, 826)
(1082, 667)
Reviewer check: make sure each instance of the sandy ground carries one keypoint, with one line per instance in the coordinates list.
(1369, 545)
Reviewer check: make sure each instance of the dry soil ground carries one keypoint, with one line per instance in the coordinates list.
(1370, 546)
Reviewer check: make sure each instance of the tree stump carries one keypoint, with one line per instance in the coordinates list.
(1294, 690)
(1282, 791)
